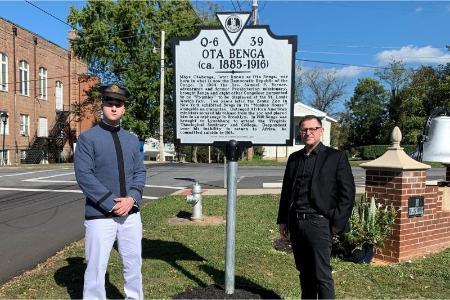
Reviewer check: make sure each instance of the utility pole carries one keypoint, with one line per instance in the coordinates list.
(161, 103)
(250, 151)
(255, 12)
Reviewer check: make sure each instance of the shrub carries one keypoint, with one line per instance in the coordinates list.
(370, 224)
(374, 151)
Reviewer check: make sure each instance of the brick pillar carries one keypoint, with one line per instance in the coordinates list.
(394, 187)
(392, 179)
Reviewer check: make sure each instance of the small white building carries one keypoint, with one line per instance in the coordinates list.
(300, 110)
(151, 150)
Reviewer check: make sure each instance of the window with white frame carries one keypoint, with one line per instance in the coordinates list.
(4, 157)
(3, 72)
(23, 78)
(42, 83)
(59, 95)
(24, 125)
(1, 125)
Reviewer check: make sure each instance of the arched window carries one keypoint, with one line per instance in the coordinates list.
(42, 83)
(24, 88)
(3, 72)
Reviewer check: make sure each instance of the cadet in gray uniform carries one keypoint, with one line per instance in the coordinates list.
(111, 174)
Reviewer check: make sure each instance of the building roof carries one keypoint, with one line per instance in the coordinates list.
(34, 34)
(301, 109)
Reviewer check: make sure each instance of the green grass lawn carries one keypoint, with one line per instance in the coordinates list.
(176, 257)
(261, 162)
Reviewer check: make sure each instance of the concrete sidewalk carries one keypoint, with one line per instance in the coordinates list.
(222, 192)
(262, 191)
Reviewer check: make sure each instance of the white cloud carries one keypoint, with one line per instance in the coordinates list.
(419, 9)
(350, 71)
(345, 72)
(412, 54)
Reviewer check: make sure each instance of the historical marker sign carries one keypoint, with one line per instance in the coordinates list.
(235, 82)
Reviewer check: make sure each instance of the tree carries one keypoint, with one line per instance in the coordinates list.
(429, 88)
(396, 77)
(118, 39)
(365, 114)
(299, 84)
(325, 87)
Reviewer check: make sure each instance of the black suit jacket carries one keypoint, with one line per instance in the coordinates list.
(332, 187)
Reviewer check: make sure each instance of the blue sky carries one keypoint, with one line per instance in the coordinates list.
(351, 33)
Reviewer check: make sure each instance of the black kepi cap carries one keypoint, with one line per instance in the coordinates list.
(114, 92)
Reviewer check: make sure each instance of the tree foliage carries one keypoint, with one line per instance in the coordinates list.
(429, 88)
(118, 39)
(396, 76)
(365, 114)
(372, 112)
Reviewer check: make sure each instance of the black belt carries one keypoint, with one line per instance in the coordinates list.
(307, 216)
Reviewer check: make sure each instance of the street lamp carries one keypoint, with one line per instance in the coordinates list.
(4, 119)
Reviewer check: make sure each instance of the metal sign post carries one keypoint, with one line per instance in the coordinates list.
(233, 151)
(234, 88)
(232, 156)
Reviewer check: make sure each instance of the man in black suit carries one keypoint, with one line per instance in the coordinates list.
(316, 202)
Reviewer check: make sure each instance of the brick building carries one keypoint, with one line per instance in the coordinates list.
(39, 84)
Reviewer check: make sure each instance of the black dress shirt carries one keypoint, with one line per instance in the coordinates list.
(303, 180)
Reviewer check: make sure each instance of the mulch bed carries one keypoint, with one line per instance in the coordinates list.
(218, 292)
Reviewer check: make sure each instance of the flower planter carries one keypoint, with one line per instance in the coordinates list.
(364, 255)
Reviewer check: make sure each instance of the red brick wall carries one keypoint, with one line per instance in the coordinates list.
(415, 236)
(37, 52)
(88, 120)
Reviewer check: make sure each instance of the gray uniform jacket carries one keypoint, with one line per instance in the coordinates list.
(108, 166)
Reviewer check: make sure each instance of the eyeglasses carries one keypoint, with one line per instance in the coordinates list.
(312, 130)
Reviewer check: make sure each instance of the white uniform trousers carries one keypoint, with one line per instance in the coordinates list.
(99, 240)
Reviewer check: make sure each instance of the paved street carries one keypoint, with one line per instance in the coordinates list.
(41, 210)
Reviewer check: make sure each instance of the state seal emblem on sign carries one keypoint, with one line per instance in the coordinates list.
(233, 23)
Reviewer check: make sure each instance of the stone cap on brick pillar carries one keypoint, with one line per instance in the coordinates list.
(395, 158)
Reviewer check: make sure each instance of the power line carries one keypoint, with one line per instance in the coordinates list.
(334, 53)
(304, 51)
(238, 2)
(342, 64)
(364, 46)
(37, 45)
(68, 24)
(300, 51)
(232, 2)
(50, 14)
(371, 54)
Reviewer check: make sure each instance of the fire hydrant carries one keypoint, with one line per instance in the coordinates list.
(196, 200)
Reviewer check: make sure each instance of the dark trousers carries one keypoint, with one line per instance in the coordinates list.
(311, 243)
